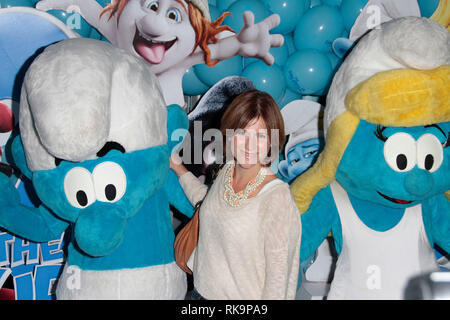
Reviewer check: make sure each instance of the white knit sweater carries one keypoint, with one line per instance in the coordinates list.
(249, 252)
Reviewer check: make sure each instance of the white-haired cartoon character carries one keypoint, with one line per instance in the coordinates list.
(173, 35)
(301, 121)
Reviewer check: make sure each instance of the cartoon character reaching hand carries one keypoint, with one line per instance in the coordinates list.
(173, 35)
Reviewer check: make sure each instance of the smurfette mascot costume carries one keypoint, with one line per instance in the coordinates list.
(379, 185)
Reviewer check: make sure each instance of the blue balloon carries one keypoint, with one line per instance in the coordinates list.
(74, 21)
(307, 71)
(214, 12)
(427, 7)
(266, 78)
(335, 61)
(289, 42)
(237, 9)
(288, 96)
(16, 3)
(315, 3)
(223, 5)
(350, 10)
(289, 10)
(317, 28)
(192, 86)
(225, 68)
(332, 3)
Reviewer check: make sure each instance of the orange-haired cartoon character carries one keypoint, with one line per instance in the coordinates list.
(173, 35)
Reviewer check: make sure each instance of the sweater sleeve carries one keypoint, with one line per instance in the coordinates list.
(282, 228)
(194, 189)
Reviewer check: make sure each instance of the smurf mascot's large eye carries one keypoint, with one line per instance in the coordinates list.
(400, 152)
(110, 182)
(429, 152)
(151, 4)
(79, 188)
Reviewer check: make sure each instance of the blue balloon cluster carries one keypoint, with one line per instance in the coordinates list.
(304, 65)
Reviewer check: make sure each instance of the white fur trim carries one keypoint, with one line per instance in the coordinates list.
(163, 282)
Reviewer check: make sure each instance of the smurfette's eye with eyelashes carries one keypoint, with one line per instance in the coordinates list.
(430, 153)
(400, 152)
(152, 5)
(174, 14)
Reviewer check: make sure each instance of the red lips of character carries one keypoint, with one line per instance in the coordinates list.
(6, 118)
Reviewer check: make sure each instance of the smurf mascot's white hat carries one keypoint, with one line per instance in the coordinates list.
(113, 96)
(397, 75)
(301, 122)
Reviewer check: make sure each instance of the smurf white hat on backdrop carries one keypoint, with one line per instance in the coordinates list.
(301, 122)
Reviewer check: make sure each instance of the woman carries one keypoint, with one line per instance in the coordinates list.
(250, 229)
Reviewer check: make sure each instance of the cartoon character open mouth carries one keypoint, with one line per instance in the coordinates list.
(151, 50)
(398, 201)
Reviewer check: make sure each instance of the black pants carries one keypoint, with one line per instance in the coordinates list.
(197, 296)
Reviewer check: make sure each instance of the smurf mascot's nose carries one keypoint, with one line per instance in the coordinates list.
(418, 182)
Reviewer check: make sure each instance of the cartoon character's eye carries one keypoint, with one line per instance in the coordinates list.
(294, 161)
(400, 152)
(429, 152)
(310, 154)
(152, 5)
(110, 181)
(79, 188)
(174, 15)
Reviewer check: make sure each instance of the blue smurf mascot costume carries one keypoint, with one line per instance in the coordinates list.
(95, 141)
(380, 185)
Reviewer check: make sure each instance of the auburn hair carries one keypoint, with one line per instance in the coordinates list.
(205, 31)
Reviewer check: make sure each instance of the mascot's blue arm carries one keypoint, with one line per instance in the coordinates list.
(176, 195)
(436, 216)
(321, 218)
(35, 224)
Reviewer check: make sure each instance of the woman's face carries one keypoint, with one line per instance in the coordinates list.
(251, 144)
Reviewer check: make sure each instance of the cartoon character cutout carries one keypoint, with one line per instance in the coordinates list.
(302, 124)
(173, 35)
(381, 184)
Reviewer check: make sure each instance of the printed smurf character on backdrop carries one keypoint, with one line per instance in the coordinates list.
(381, 182)
(173, 35)
(305, 138)
(99, 162)
(27, 269)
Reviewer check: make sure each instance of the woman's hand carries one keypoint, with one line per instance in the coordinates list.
(176, 164)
